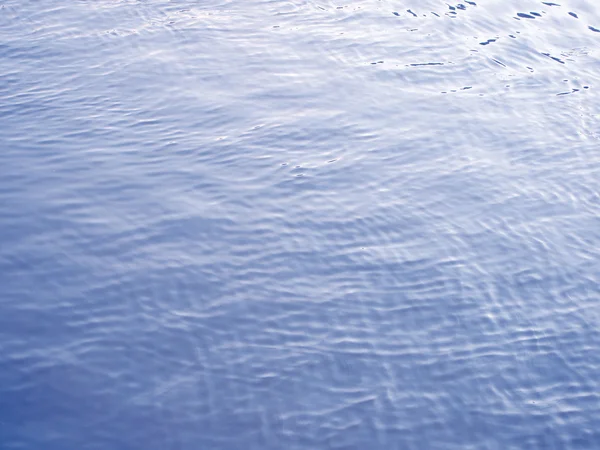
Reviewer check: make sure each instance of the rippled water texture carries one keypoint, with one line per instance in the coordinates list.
(299, 224)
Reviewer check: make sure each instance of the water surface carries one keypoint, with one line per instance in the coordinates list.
(299, 224)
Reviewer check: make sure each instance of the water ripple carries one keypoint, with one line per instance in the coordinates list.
(299, 224)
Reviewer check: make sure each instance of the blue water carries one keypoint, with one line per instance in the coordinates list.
(302, 224)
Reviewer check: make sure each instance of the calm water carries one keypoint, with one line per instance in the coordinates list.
(299, 224)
